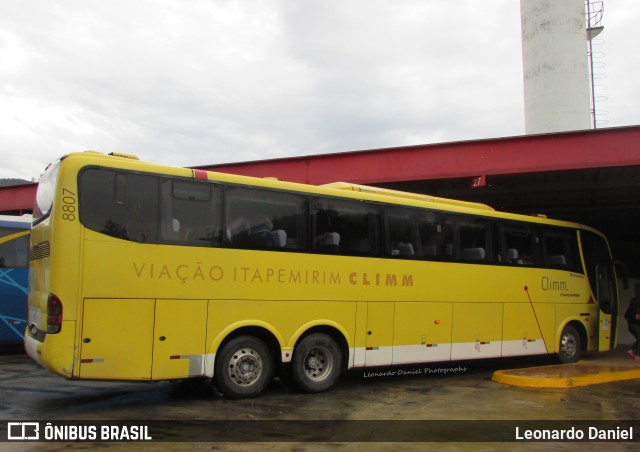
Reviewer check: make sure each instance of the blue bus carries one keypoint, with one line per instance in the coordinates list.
(14, 277)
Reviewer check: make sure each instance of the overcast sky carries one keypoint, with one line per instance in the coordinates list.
(195, 82)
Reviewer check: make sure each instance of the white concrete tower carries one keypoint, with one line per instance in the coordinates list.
(555, 60)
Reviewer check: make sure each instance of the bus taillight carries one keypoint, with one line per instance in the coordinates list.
(54, 314)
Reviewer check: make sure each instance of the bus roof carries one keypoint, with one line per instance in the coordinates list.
(407, 195)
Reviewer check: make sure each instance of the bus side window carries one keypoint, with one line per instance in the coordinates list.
(451, 239)
(401, 239)
(266, 219)
(432, 237)
(518, 244)
(120, 205)
(471, 238)
(346, 227)
(560, 249)
(237, 230)
(326, 238)
(141, 208)
(190, 213)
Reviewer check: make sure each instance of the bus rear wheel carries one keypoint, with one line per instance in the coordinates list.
(570, 346)
(244, 367)
(317, 363)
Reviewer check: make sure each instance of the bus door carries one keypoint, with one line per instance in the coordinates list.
(606, 295)
(379, 343)
(601, 274)
(142, 339)
(422, 332)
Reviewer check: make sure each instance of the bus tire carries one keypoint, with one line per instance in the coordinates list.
(316, 363)
(244, 367)
(570, 345)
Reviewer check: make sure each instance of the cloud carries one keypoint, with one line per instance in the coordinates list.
(195, 82)
(391, 72)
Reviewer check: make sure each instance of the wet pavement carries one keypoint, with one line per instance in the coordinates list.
(390, 408)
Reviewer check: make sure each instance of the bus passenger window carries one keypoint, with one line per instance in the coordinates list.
(401, 239)
(518, 244)
(265, 219)
(346, 227)
(190, 213)
(473, 238)
(325, 223)
(560, 249)
(431, 235)
(451, 239)
(238, 231)
(119, 204)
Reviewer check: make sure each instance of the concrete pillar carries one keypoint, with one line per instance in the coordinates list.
(555, 60)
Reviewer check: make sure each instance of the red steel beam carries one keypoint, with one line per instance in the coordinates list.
(603, 148)
(17, 197)
(515, 155)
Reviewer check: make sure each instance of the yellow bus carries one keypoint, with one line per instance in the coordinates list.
(146, 272)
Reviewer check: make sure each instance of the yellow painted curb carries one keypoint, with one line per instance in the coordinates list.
(552, 376)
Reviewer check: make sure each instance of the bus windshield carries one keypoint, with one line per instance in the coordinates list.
(45, 193)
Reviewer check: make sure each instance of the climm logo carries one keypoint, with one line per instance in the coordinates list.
(552, 285)
(380, 279)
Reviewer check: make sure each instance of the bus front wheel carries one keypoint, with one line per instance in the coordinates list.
(317, 363)
(570, 346)
(244, 367)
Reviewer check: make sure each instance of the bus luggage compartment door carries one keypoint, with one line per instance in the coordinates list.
(179, 339)
(477, 330)
(379, 342)
(116, 342)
